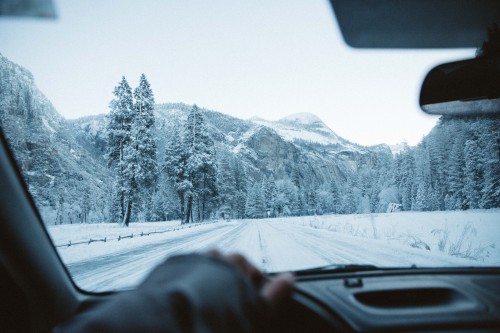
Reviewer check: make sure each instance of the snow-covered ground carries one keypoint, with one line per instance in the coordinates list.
(473, 234)
(400, 239)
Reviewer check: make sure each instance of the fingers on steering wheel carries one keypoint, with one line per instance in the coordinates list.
(215, 253)
(278, 289)
(254, 274)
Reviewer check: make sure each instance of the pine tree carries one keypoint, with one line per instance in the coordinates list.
(255, 202)
(241, 185)
(473, 174)
(175, 167)
(201, 165)
(270, 192)
(455, 166)
(438, 145)
(119, 127)
(348, 203)
(145, 146)
(289, 198)
(406, 184)
(240, 178)
(226, 186)
(311, 200)
(119, 121)
(240, 201)
(423, 178)
(129, 184)
(335, 197)
(420, 203)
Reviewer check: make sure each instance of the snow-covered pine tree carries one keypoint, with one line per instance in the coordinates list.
(240, 177)
(335, 197)
(176, 156)
(146, 171)
(288, 201)
(455, 166)
(438, 145)
(473, 174)
(241, 184)
(226, 186)
(422, 180)
(311, 200)
(270, 192)
(299, 207)
(130, 187)
(165, 200)
(240, 201)
(404, 177)
(255, 202)
(348, 202)
(119, 139)
(420, 203)
(201, 166)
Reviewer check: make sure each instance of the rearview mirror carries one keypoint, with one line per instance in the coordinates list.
(469, 87)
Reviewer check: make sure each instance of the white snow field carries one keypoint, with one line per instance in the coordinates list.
(399, 239)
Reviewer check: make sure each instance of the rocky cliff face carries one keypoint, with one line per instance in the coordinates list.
(63, 177)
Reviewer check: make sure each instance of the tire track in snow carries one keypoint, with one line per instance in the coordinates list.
(323, 246)
(281, 252)
(261, 247)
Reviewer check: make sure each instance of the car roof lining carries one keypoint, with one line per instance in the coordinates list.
(399, 23)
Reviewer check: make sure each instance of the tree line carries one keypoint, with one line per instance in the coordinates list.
(456, 166)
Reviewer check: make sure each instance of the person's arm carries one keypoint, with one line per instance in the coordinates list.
(189, 293)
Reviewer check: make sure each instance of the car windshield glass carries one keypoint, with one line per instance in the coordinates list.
(145, 129)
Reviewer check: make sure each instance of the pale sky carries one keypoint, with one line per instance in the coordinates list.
(244, 58)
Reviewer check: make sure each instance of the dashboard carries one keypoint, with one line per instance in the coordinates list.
(411, 300)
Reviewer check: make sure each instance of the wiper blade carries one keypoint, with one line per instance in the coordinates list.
(347, 268)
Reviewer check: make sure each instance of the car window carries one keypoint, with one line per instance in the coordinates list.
(248, 127)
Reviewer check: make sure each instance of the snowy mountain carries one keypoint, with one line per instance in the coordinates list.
(306, 127)
(300, 144)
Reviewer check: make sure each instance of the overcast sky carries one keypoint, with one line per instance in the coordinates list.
(244, 58)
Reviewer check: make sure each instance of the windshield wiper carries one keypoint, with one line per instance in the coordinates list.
(338, 268)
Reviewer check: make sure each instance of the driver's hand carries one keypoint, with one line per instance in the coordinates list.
(272, 290)
(191, 293)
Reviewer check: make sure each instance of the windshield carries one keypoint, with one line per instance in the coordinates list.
(156, 128)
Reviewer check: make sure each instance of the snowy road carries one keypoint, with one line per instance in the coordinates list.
(272, 245)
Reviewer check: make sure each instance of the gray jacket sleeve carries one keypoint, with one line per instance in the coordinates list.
(189, 293)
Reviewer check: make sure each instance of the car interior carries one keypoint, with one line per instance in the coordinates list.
(37, 292)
